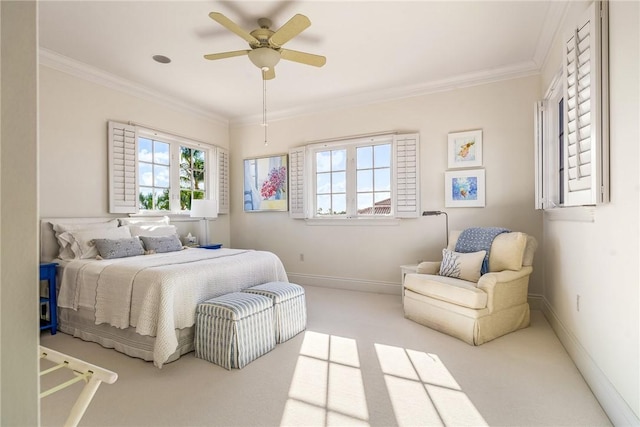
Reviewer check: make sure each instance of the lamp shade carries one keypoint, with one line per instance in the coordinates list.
(264, 58)
(204, 208)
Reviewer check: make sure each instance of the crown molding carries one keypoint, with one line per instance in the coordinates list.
(62, 63)
(525, 69)
(555, 16)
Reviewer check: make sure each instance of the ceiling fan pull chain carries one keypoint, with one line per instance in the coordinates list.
(264, 109)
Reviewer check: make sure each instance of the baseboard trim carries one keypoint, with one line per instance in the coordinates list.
(613, 404)
(363, 285)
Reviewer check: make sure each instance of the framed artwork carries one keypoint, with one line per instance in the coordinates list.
(265, 184)
(464, 188)
(465, 149)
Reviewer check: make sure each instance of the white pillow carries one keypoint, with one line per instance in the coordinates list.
(153, 230)
(83, 246)
(164, 220)
(65, 240)
(465, 266)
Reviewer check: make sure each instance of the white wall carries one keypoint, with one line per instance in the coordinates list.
(73, 143)
(19, 320)
(361, 256)
(599, 260)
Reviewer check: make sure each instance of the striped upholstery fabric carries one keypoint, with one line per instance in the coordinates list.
(233, 330)
(290, 309)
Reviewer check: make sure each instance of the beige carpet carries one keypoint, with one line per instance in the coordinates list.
(360, 362)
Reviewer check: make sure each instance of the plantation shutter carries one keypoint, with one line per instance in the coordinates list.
(123, 182)
(538, 136)
(586, 111)
(296, 183)
(406, 191)
(223, 181)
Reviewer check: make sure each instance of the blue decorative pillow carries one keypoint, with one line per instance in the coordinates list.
(118, 248)
(161, 244)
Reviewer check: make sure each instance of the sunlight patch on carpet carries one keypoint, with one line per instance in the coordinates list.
(423, 391)
(327, 387)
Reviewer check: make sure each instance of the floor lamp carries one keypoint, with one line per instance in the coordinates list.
(434, 213)
(204, 209)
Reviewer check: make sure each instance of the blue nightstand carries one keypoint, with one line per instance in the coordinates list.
(211, 246)
(48, 274)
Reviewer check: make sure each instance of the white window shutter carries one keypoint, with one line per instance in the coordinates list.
(407, 179)
(123, 170)
(223, 181)
(538, 132)
(297, 208)
(586, 112)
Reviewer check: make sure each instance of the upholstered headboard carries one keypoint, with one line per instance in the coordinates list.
(48, 244)
(49, 248)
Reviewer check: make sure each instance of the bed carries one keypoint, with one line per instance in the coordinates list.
(143, 305)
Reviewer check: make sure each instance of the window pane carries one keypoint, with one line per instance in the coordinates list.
(162, 199)
(365, 203)
(161, 152)
(382, 179)
(323, 205)
(145, 198)
(198, 159)
(185, 157)
(185, 200)
(161, 176)
(323, 183)
(382, 155)
(364, 157)
(145, 150)
(339, 202)
(382, 204)
(339, 160)
(145, 174)
(365, 180)
(339, 183)
(185, 180)
(323, 161)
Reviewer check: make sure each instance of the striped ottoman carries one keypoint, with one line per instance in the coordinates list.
(290, 310)
(233, 330)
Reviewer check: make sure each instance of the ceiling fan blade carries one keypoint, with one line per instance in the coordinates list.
(269, 74)
(233, 27)
(303, 57)
(223, 55)
(289, 30)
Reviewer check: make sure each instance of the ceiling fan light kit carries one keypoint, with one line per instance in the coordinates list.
(264, 58)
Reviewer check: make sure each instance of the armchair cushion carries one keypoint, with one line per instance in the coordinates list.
(455, 291)
(465, 266)
(507, 251)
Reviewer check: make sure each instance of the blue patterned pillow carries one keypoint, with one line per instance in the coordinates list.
(118, 248)
(161, 244)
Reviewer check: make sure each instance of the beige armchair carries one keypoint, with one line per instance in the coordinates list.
(479, 310)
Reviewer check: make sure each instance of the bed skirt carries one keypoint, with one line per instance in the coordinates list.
(81, 324)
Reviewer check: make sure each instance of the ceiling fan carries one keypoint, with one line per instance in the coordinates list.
(266, 44)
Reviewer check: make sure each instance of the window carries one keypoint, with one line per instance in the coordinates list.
(572, 122)
(371, 189)
(154, 172)
(372, 177)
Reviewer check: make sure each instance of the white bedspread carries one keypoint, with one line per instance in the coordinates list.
(158, 294)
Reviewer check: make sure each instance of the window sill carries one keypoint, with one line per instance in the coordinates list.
(575, 214)
(352, 221)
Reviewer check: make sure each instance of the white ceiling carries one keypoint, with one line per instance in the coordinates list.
(375, 49)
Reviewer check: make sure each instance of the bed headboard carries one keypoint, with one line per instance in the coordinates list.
(49, 248)
(48, 244)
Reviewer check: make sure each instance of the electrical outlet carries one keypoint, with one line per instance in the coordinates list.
(301, 257)
(578, 302)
